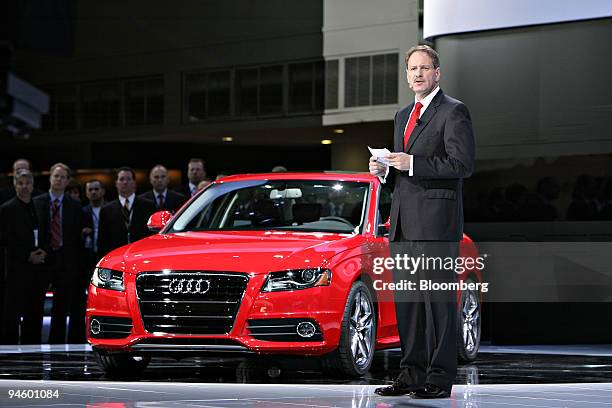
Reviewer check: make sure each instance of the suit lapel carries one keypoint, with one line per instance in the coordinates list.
(425, 118)
(402, 121)
(119, 212)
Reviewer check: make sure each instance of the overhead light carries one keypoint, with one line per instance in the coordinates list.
(338, 131)
(326, 141)
(227, 139)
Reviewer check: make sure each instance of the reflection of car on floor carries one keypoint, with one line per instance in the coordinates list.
(266, 264)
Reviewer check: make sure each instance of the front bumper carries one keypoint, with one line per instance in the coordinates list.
(250, 333)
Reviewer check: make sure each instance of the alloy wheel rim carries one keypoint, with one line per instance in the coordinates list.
(361, 330)
(470, 315)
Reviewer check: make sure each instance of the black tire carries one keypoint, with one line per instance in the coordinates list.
(468, 325)
(121, 365)
(343, 361)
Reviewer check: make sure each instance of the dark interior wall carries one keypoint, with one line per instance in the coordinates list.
(534, 91)
(120, 39)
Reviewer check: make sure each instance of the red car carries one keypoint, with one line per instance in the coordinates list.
(267, 264)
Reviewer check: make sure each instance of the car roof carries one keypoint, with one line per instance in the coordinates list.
(321, 175)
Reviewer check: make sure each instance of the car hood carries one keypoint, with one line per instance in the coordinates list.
(244, 251)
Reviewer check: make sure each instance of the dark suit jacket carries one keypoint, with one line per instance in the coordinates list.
(90, 258)
(429, 204)
(17, 235)
(173, 202)
(112, 232)
(184, 190)
(71, 222)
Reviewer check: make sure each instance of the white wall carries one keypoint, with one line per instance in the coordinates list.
(364, 27)
(441, 17)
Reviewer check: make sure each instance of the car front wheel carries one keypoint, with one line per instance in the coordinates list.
(121, 365)
(468, 325)
(355, 352)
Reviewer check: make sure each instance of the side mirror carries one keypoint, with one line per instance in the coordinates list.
(383, 229)
(158, 220)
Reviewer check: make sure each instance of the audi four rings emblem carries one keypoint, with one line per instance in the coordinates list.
(189, 286)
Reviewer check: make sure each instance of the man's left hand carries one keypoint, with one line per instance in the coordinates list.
(400, 161)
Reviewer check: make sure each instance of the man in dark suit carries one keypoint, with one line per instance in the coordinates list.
(196, 172)
(433, 152)
(26, 282)
(163, 198)
(89, 257)
(60, 221)
(124, 220)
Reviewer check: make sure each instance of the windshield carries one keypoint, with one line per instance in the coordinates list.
(297, 205)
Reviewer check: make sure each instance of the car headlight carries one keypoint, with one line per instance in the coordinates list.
(107, 279)
(297, 279)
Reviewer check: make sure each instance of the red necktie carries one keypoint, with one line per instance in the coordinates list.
(416, 112)
(160, 201)
(56, 227)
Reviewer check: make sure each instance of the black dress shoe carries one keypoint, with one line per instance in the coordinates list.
(396, 388)
(431, 391)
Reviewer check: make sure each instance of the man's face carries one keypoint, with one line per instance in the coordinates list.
(421, 75)
(58, 179)
(24, 188)
(126, 185)
(159, 179)
(94, 192)
(195, 172)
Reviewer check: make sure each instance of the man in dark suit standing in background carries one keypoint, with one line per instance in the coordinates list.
(433, 152)
(89, 257)
(163, 198)
(124, 220)
(25, 283)
(60, 221)
(196, 172)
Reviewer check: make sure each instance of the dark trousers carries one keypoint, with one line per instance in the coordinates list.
(24, 298)
(77, 330)
(426, 319)
(63, 269)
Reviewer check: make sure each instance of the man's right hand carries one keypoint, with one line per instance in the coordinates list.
(377, 169)
(37, 257)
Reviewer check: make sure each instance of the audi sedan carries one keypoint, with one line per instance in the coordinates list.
(262, 264)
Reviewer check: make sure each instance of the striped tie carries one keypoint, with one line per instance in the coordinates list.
(125, 211)
(56, 226)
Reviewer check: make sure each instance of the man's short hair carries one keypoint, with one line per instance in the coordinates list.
(23, 160)
(158, 166)
(125, 168)
(435, 58)
(95, 180)
(23, 173)
(197, 160)
(61, 166)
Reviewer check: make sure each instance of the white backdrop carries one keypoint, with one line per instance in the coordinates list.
(442, 17)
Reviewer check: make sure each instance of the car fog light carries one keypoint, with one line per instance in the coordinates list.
(94, 326)
(306, 329)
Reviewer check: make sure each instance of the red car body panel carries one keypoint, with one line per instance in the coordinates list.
(257, 253)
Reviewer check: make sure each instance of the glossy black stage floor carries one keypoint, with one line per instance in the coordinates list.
(536, 376)
(499, 365)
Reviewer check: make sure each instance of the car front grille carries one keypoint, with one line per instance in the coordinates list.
(187, 302)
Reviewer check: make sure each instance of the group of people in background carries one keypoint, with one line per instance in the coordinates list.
(51, 241)
(591, 200)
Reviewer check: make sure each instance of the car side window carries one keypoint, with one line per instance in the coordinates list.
(384, 203)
